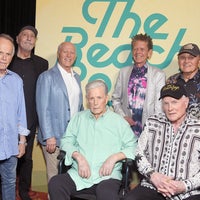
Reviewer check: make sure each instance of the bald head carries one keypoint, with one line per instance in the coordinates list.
(66, 55)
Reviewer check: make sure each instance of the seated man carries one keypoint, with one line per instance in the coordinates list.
(95, 141)
(168, 152)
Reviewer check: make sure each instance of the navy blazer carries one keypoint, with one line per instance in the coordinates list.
(53, 105)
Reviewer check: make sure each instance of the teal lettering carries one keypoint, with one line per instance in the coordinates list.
(174, 49)
(151, 28)
(99, 55)
(96, 52)
(122, 49)
(102, 77)
(127, 15)
(79, 46)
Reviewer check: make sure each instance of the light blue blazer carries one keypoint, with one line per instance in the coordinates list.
(52, 105)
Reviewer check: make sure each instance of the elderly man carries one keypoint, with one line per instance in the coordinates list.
(13, 122)
(137, 88)
(95, 141)
(189, 75)
(168, 152)
(28, 66)
(58, 98)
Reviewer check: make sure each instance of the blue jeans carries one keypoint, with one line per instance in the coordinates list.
(8, 178)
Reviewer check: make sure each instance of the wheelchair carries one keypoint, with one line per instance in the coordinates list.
(127, 165)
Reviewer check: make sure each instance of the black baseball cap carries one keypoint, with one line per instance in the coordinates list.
(31, 28)
(190, 48)
(172, 90)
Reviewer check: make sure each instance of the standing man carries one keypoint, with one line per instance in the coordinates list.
(13, 123)
(96, 140)
(189, 75)
(28, 66)
(137, 88)
(168, 152)
(58, 98)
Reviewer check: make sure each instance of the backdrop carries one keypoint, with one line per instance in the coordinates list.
(102, 31)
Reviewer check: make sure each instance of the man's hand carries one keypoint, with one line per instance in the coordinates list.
(51, 145)
(130, 120)
(160, 181)
(107, 167)
(22, 148)
(166, 185)
(83, 166)
(172, 187)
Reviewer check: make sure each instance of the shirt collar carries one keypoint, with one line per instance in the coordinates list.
(145, 65)
(64, 71)
(31, 57)
(196, 76)
(103, 115)
(8, 72)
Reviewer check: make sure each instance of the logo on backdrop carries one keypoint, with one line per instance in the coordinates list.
(100, 55)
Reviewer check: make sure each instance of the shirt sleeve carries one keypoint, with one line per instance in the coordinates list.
(68, 141)
(192, 183)
(22, 121)
(129, 141)
(43, 87)
(144, 166)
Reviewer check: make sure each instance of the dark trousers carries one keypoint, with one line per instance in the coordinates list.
(0, 189)
(25, 166)
(143, 193)
(62, 187)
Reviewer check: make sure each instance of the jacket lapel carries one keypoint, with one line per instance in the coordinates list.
(59, 81)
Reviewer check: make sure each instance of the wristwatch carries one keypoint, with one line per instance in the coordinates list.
(22, 142)
(148, 175)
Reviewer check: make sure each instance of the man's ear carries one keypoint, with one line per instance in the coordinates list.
(107, 98)
(186, 102)
(17, 39)
(150, 52)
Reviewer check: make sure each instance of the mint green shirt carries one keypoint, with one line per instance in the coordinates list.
(96, 140)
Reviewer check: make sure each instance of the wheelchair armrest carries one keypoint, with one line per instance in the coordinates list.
(62, 168)
(127, 166)
(61, 156)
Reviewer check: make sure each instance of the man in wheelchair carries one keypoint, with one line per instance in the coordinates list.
(95, 142)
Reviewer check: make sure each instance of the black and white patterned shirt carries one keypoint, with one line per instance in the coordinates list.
(176, 155)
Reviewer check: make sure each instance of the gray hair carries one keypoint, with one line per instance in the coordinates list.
(95, 84)
(8, 37)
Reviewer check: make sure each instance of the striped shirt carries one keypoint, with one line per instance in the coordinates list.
(176, 155)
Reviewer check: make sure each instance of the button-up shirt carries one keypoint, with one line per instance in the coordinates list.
(172, 154)
(73, 89)
(12, 114)
(96, 140)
